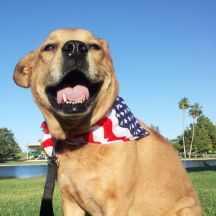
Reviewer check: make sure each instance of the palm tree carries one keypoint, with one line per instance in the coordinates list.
(184, 104)
(195, 111)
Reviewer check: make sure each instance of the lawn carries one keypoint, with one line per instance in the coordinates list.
(22, 197)
(204, 182)
(23, 162)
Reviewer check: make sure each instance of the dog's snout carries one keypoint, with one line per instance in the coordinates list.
(74, 48)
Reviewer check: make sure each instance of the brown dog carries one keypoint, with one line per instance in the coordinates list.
(72, 80)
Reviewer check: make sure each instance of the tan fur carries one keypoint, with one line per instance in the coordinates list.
(136, 178)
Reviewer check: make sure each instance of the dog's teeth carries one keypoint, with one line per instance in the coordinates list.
(64, 98)
(81, 101)
(72, 102)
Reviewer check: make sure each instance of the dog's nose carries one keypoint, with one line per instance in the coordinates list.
(74, 48)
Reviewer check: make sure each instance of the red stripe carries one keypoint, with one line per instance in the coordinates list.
(90, 138)
(106, 123)
(46, 131)
(47, 143)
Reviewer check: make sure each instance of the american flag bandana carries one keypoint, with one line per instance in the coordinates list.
(117, 126)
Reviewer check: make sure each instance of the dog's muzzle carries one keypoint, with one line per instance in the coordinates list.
(75, 91)
(74, 55)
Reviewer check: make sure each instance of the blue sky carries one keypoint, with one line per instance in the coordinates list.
(162, 51)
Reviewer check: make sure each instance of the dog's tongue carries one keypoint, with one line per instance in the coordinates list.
(77, 93)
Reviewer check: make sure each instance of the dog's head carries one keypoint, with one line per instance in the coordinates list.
(72, 80)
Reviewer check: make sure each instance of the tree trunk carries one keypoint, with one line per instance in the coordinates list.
(192, 138)
(185, 156)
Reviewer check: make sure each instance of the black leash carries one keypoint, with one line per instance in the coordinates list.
(46, 208)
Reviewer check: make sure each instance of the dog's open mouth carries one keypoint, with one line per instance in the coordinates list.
(73, 94)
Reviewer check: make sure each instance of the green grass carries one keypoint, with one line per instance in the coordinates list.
(22, 197)
(23, 162)
(204, 182)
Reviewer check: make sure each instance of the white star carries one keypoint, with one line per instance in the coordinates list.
(117, 106)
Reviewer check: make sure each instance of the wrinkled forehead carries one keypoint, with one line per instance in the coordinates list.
(64, 35)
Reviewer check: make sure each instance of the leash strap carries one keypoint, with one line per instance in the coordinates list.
(46, 208)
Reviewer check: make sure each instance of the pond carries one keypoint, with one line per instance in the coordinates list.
(28, 171)
(23, 171)
(199, 163)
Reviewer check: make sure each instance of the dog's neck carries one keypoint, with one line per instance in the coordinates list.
(119, 125)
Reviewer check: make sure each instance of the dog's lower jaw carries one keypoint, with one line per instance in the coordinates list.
(74, 126)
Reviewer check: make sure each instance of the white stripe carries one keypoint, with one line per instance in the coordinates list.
(49, 150)
(113, 141)
(98, 134)
(46, 136)
(117, 130)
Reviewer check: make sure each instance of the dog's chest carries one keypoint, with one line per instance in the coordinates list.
(80, 177)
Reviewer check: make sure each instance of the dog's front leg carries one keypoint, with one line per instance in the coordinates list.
(117, 210)
(71, 208)
(119, 206)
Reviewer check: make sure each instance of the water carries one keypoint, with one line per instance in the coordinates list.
(23, 171)
(199, 163)
(28, 171)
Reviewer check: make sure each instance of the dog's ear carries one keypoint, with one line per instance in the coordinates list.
(23, 70)
(105, 46)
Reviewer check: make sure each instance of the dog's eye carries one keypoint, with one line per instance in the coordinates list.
(94, 46)
(49, 47)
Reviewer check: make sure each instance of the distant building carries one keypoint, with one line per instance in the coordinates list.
(33, 150)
